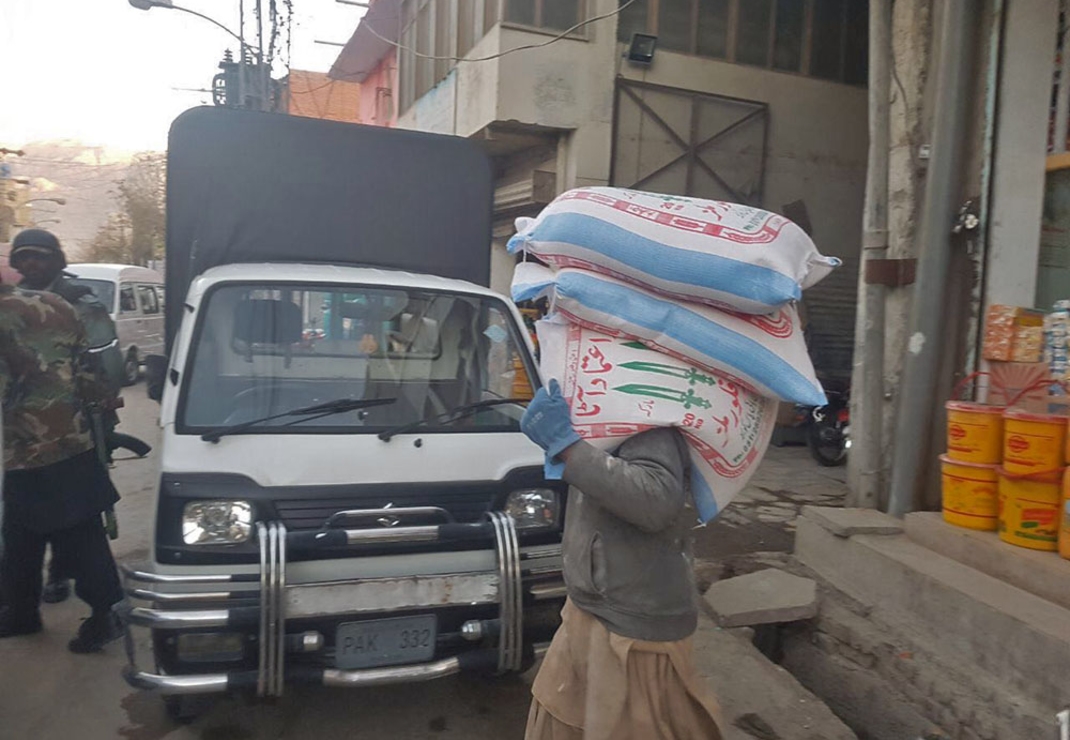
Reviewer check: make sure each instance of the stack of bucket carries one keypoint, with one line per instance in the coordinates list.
(1030, 483)
(972, 463)
(1004, 470)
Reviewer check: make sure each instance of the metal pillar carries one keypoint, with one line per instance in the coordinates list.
(919, 381)
(869, 351)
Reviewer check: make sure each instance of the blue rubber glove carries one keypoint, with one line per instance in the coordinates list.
(547, 422)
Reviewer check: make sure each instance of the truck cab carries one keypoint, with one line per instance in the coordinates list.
(345, 495)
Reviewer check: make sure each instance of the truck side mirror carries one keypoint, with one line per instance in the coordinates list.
(155, 375)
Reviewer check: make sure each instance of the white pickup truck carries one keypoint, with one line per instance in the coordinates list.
(345, 496)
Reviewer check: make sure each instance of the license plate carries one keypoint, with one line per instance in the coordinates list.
(385, 642)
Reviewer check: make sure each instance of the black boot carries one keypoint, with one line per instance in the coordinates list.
(56, 591)
(96, 632)
(10, 626)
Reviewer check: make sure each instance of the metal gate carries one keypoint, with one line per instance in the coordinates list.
(682, 142)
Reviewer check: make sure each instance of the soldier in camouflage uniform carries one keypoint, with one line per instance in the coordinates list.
(38, 256)
(55, 486)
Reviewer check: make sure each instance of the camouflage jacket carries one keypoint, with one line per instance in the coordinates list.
(44, 383)
(105, 358)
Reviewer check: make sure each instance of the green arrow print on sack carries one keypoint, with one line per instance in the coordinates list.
(688, 400)
(691, 375)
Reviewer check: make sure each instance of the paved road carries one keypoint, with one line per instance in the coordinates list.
(46, 693)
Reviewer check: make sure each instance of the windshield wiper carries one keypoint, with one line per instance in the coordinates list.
(338, 406)
(451, 416)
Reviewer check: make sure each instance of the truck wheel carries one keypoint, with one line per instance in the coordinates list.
(131, 368)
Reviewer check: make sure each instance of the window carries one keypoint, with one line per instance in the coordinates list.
(713, 28)
(520, 11)
(828, 38)
(856, 56)
(150, 304)
(790, 28)
(127, 301)
(556, 15)
(632, 20)
(104, 290)
(752, 36)
(160, 294)
(560, 15)
(674, 25)
(261, 350)
(820, 38)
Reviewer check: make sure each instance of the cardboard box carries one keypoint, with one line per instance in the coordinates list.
(1013, 333)
(1009, 379)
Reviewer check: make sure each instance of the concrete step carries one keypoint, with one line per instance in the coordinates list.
(758, 698)
(1043, 574)
(952, 610)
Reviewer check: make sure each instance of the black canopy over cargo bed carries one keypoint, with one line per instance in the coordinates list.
(244, 186)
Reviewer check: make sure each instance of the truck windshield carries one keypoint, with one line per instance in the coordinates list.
(260, 350)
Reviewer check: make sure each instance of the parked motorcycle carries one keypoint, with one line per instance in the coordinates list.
(828, 434)
(825, 430)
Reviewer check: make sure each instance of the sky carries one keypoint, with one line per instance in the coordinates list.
(108, 74)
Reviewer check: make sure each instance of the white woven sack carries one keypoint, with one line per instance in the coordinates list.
(726, 255)
(617, 389)
(766, 354)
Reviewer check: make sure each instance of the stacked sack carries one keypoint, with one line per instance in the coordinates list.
(671, 311)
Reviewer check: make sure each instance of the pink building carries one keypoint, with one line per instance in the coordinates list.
(371, 61)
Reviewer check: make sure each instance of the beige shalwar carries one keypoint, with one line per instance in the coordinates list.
(596, 685)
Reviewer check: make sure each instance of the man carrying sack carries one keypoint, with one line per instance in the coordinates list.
(620, 665)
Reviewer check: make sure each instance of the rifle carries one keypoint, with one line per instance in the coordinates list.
(100, 443)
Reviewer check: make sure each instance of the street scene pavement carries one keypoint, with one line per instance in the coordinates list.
(46, 692)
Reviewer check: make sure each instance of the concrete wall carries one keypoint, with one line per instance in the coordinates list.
(1020, 149)
(817, 138)
(383, 76)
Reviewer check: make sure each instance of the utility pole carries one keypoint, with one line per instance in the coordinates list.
(262, 66)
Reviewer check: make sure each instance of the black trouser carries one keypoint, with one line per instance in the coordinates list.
(82, 550)
(57, 569)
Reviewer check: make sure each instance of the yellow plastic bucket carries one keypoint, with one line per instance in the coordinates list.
(1064, 518)
(974, 432)
(1029, 509)
(970, 494)
(1033, 443)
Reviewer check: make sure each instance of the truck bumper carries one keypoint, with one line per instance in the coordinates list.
(275, 616)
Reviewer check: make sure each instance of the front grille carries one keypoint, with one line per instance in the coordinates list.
(305, 514)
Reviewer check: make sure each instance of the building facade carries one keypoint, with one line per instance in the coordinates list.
(754, 101)
(315, 95)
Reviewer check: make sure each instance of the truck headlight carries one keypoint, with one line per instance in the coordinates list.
(217, 522)
(533, 507)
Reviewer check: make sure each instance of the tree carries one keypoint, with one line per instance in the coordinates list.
(135, 234)
(112, 242)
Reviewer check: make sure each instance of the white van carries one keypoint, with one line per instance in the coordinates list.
(134, 297)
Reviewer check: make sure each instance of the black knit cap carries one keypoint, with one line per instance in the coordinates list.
(37, 240)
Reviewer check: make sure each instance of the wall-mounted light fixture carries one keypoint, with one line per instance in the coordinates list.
(641, 50)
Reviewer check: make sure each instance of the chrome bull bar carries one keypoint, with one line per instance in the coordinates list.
(266, 609)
